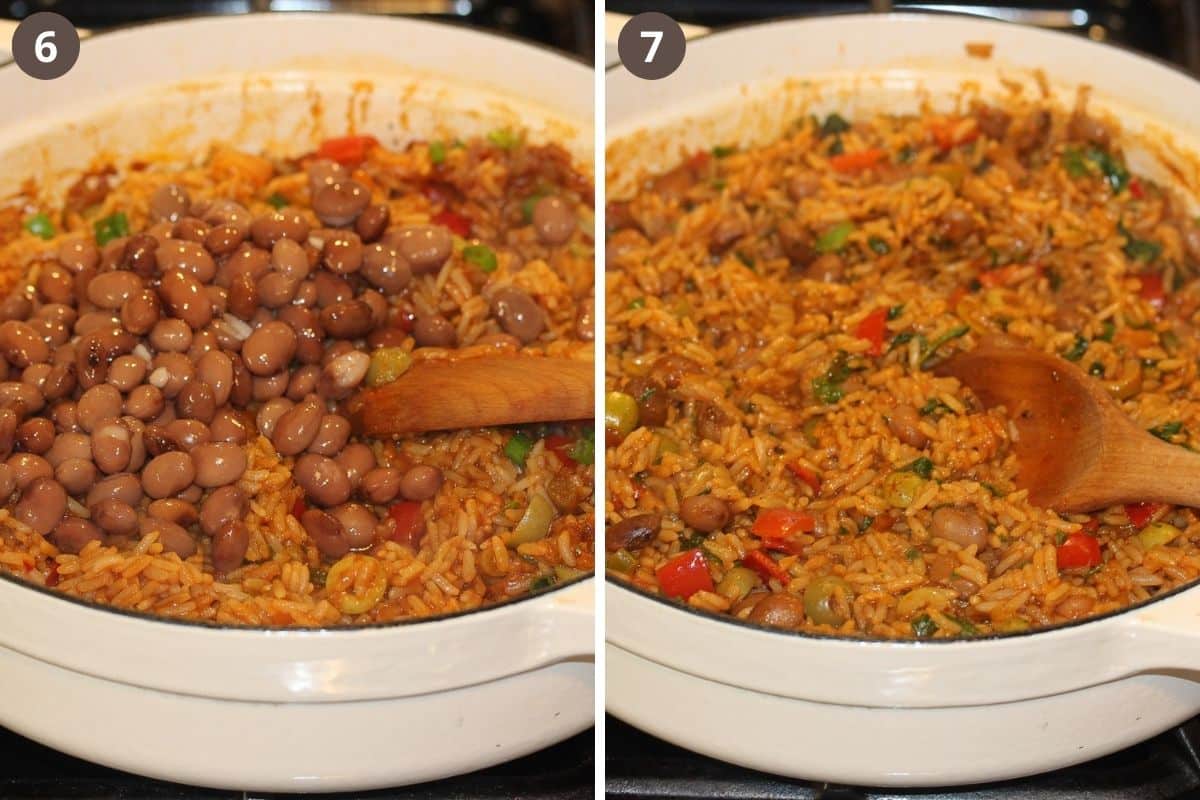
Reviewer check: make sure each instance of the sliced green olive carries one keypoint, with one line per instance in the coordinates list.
(621, 561)
(534, 524)
(1157, 534)
(901, 488)
(620, 412)
(737, 583)
(388, 364)
(827, 600)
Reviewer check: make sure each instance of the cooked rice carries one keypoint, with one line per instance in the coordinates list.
(462, 562)
(708, 264)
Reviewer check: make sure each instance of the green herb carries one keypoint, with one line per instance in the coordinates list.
(895, 311)
(1054, 279)
(1113, 170)
(111, 227)
(528, 204)
(584, 449)
(948, 336)
(692, 541)
(983, 166)
(923, 467)
(834, 124)
(1096, 370)
(746, 260)
(40, 226)
(912, 554)
(512, 505)
(1107, 330)
(1167, 431)
(903, 338)
(1142, 250)
(637, 302)
(1073, 163)
(906, 154)
(517, 448)
(827, 387)
(967, 628)
(1077, 349)
(878, 246)
(834, 239)
(837, 148)
(437, 151)
(933, 405)
(809, 429)
(481, 256)
(1060, 537)
(277, 200)
(543, 582)
(318, 576)
(504, 138)
(923, 627)
(720, 151)
(994, 491)
(865, 523)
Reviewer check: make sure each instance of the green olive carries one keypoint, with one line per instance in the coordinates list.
(534, 524)
(902, 488)
(620, 412)
(737, 583)
(621, 561)
(827, 600)
(1156, 534)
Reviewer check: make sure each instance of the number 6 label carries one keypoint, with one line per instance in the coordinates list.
(651, 45)
(45, 45)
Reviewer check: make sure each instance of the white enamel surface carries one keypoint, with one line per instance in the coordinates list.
(349, 708)
(1026, 697)
(295, 747)
(892, 746)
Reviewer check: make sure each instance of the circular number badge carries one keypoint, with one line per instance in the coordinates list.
(45, 45)
(651, 45)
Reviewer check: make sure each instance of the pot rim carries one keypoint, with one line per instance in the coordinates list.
(144, 28)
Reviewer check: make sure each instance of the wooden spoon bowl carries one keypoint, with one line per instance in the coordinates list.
(1077, 450)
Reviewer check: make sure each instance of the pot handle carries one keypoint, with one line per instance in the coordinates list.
(1164, 635)
(571, 624)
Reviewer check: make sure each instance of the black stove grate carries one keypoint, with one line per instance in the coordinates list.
(1166, 767)
(29, 771)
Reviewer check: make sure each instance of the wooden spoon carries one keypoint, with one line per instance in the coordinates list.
(1077, 451)
(472, 392)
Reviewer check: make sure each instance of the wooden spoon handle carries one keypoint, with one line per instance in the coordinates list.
(1136, 467)
(473, 392)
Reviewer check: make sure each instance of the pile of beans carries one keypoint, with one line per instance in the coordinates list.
(134, 373)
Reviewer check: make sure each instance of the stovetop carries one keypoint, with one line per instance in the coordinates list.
(29, 771)
(637, 765)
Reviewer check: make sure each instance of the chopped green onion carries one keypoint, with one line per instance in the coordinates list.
(504, 138)
(40, 226)
(543, 582)
(905, 154)
(437, 151)
(912, 554)
(878, 246)
(517, 448)
(1073, 163)
(1142, 250)
(1167, 431)
(948, 336)
(111, 227)
(834, 239)
(277, 200)
(966, 626)
(1113, 170)
(481, 256)
(1107, 330)
(895, 311)
(827, 387)
(838, 147)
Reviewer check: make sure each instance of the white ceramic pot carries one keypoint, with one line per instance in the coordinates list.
(288, 710)
(873, 712)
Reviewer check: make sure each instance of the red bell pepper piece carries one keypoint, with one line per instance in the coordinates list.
(561, 447)
(873, 328)
(1136, 189)
(299, 507)
(766, 566)
(455, 222)
(349, 151)
(410, 525)
(685, 574)
(1079, 551)
(955, 296)
(1152, 289)
(781, 523)
(807, 475)
(1140, 513)
(857, 162)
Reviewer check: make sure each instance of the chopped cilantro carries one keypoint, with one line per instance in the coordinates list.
(543, 582)
(437, 151)
(912, 554)
(1142, 250)
(922, 467)
(878, 246)
(948, 336)
(827, 387)
(895, 311)
(1167, 431)
(923, 627)
(40, 226)
(517, 448)
(111, 227)
(834, 239)
(277, 200)
(584, 449)
(1077, 349)
(1107, 330)
(834, 124)
(481, 256)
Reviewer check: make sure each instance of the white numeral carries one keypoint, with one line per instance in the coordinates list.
(657, 37)
(43, 49)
